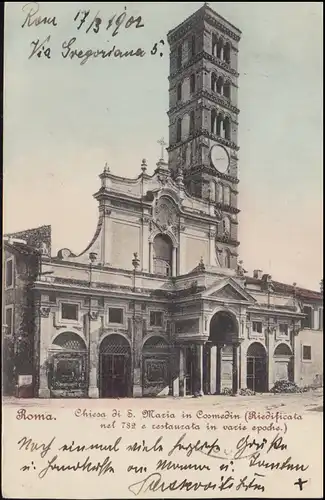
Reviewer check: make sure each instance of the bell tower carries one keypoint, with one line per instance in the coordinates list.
(203, 112)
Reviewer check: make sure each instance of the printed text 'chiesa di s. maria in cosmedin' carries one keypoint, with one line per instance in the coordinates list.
(159, 303)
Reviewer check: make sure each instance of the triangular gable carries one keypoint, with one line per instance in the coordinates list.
(229, 289)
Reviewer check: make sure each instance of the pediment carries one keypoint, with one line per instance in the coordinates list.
(229, 290)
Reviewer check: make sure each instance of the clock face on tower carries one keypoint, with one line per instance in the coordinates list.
(219, 158)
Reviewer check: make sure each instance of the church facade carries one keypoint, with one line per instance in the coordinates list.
(158, 303)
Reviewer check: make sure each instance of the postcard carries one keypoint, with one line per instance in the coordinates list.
(162, 330)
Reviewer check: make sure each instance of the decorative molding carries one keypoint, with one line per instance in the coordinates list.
(227, 208)
(205, 133)
(93, 315)
(209, 57)
(45, 312)
(226, 238)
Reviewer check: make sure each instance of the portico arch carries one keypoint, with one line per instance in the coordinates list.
(222, 352)
(114, 366)
(283, 362)
(256, 367)
(67, 365)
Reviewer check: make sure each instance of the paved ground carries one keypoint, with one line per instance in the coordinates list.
(304, 402)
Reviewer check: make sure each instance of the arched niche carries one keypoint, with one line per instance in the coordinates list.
(283, 363)
(155, 366)
(67, 366)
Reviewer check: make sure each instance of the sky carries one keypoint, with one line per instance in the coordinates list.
(63, 121)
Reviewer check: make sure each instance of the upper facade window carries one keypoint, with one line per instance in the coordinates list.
(306, 353)
(283, 328)
(163, 254)
(69, 311)
(9, 272)
(115, 315)
(9, 315)
(156, 318)
(257, 326)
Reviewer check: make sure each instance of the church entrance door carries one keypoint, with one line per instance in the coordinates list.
(114, 367)
(256, 368)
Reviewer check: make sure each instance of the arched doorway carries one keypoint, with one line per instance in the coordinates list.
(114, 367)
(224, 356)
(162, 255)
(67, 366)
(283, 363)
(155, 367)
(256, 368)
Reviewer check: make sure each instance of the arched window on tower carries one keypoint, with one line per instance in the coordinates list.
(214, 82)
(219, 85)
(193, 45)
(226, 53)
(163, 255)
(192, 122)
(179, 57)
(214, 44)
(179, 92)
(220, 48)
(226, 89)
(219, 123)
(192, 83)
(179, 130)
(226, 128)
(213, 121)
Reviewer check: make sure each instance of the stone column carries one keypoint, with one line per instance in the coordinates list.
(212, 248)
(213, 368)
(150, 257)
(218, 369)
(145, 257)
(270, 358)
(106, 237)
(182, 366)
(174, 261)
(243, 364)
(235, 368)
(199, 370)
(137, 354)
(93, 332)
(297, 359)
(207, 369)
(175, 371)
(45, 342)
(182, 251)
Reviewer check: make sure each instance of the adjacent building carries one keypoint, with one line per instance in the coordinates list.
(159, 303)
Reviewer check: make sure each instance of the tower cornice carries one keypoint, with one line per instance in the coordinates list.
(205, 13)
(209, 57)
(220, 100)
(205, 133)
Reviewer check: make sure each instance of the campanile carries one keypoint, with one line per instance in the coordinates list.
(203, 107)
